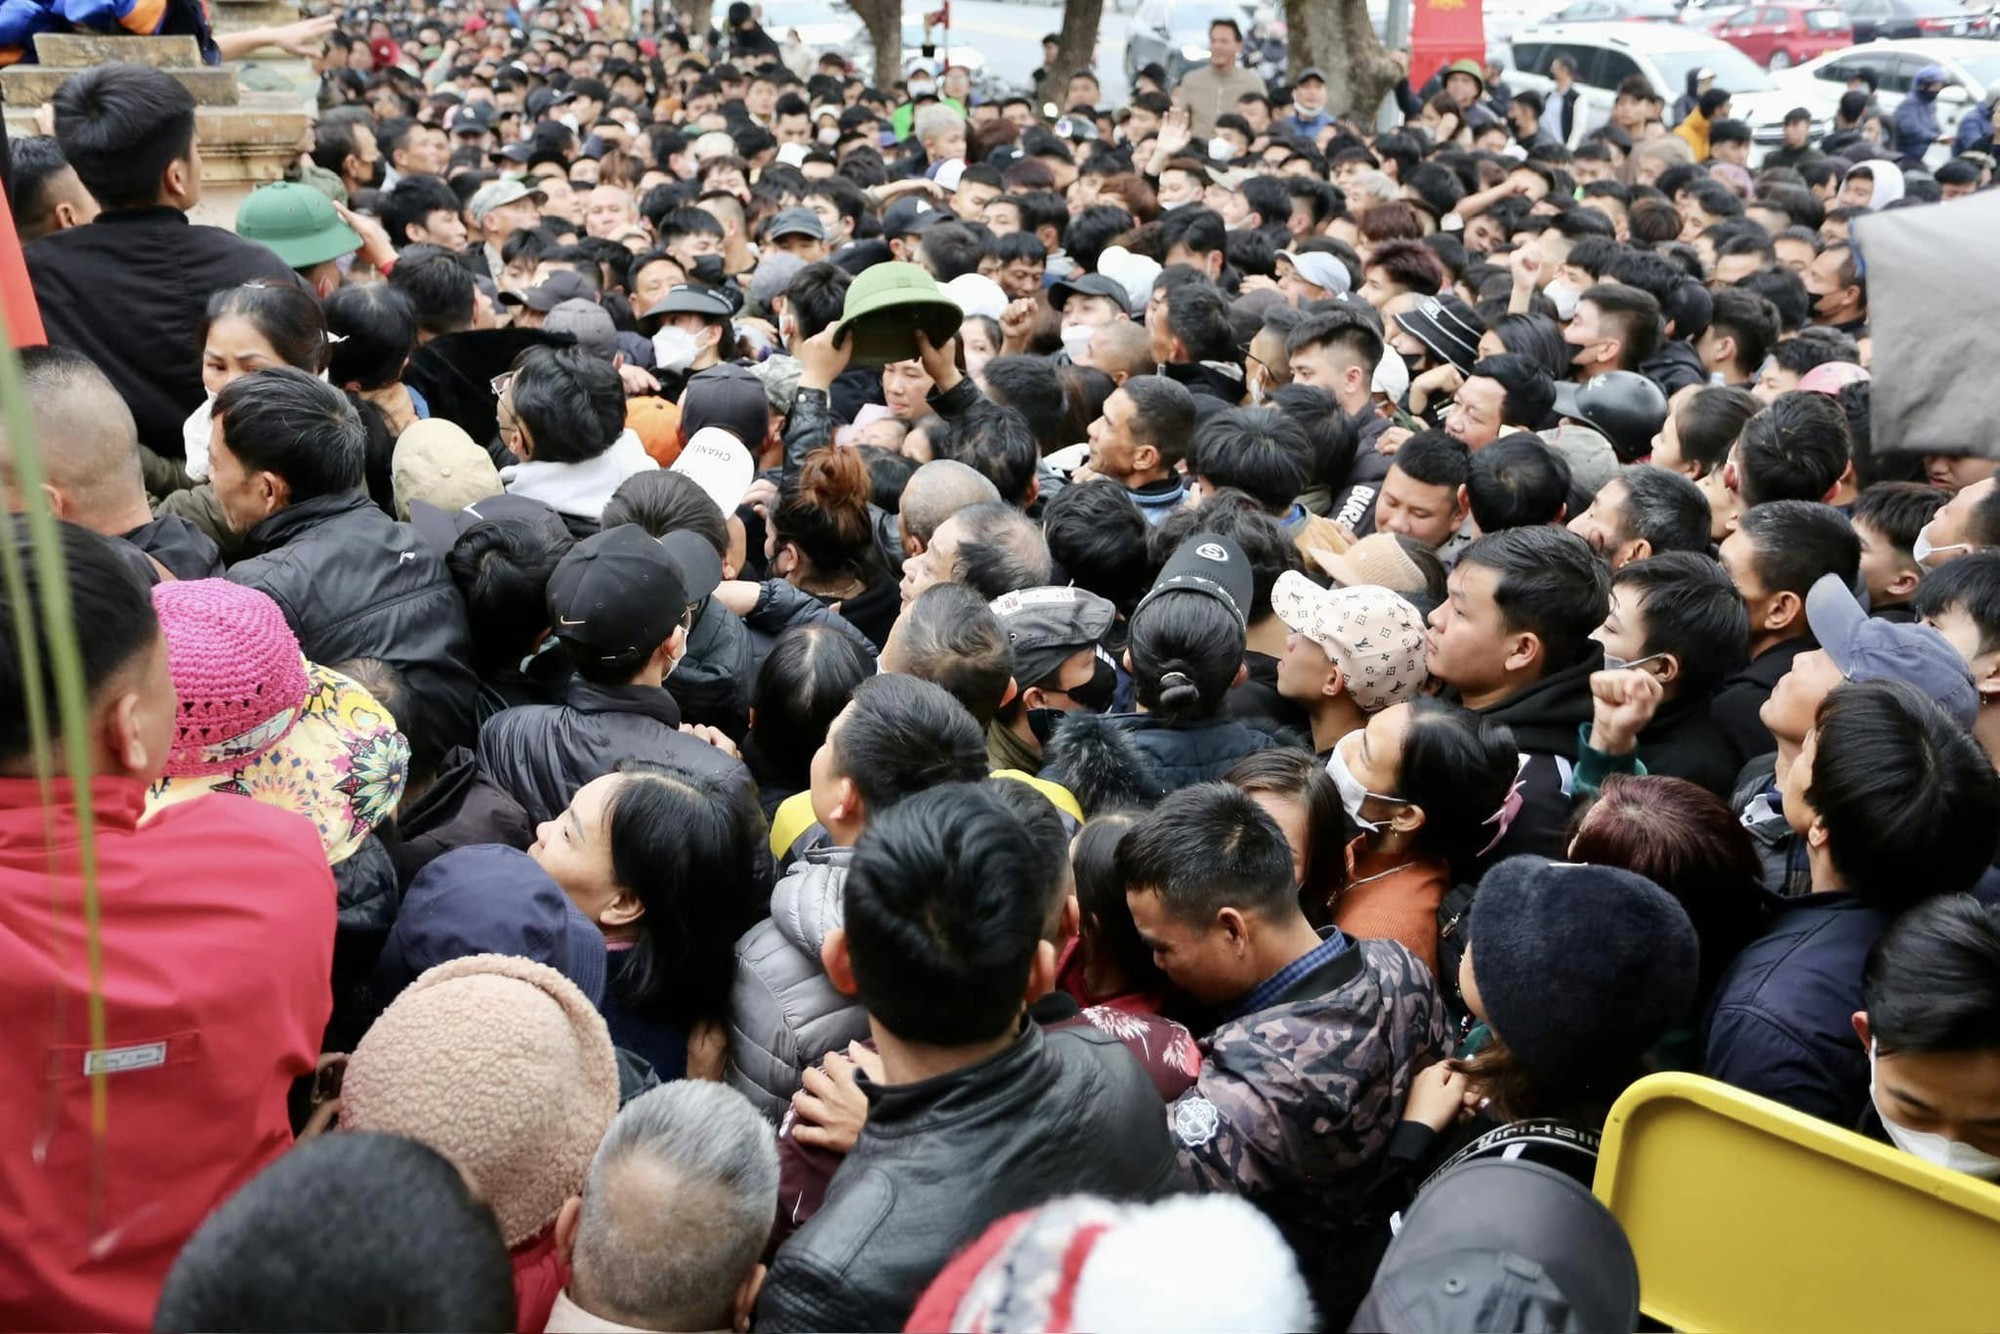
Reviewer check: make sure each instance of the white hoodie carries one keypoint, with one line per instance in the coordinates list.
(580, 488)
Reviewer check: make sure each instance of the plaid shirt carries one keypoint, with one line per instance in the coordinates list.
(1332, 944)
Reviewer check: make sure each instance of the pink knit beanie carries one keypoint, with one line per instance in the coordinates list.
(237, 670)
(501, 1065)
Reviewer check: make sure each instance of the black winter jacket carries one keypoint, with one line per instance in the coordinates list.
(354, 583)
(459, 809)
(1054, 1114)
(716, 680)
(1134, 759)
(1739, 698)
(130, 291)
(540, 754)
(1684, 741)
(1544, 719)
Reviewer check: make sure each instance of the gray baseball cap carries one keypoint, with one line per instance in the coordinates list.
(1868, 649)
(1045, 626)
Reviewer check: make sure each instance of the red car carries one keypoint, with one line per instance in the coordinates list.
(1784, 35)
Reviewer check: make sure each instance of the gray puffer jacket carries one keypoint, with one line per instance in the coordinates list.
(785, 1013)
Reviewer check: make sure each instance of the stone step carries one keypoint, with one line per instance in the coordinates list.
(81, 50)
(32, 85)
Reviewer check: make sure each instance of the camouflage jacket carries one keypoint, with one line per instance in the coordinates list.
(1295, 1103)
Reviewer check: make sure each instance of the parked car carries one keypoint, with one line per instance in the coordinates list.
(1605, 54)
(1879, 20)
(1974, 66)
(1174, 37)
(1783, 35)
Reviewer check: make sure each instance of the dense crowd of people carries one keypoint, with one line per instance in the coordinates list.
(912, 715)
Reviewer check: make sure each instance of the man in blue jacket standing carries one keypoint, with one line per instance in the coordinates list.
(1916, 116)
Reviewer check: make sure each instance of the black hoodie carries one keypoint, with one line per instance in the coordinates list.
(1544, 718)
(1674, 367)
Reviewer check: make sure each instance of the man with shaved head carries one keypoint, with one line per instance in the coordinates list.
(89, 448)
(936, 491)
(1121, 350)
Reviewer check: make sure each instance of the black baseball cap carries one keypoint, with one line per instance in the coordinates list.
(561, 285)
(1505, 1243)
(910, 214)
(618, 594)
(1089, 284)
(1209, 564)
(693, 299)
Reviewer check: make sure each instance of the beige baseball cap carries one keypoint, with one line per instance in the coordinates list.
(1373, 635)
(1375, 559)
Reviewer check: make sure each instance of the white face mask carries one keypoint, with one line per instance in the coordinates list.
(918, 90)
(1221, 149)
(1614, 663)
(1950, 1154)
(830, 136)
(1923, 548)
(1352, 793)
(1076, 339)
(674, 349)
(1564, 298)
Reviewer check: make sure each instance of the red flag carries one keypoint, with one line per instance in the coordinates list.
(1442, 31)
(939, 18)
(17, 295)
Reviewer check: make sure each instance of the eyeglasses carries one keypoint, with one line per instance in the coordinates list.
(500, 383)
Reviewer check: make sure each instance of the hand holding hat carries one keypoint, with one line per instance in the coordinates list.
(823, 357)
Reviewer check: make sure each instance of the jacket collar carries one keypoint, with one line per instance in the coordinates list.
(1332, 971)
(649, 701)
(1774, 662)
(996, 1083)
(115, 801)
(293, 520)
(150, 213)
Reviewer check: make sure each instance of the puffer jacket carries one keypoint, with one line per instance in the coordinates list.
(784, 1013)
(540, 754)
(1055, 1113)
(354, 583)
(1296, 1103)
(1134, 759)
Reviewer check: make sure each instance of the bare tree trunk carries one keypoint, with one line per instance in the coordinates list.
(884, 19)
(1079, 39)
(1340, 39)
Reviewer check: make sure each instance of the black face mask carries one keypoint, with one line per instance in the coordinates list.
(1093, 696)
(708, 271)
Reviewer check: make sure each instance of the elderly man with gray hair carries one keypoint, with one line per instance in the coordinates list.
(673, 1217)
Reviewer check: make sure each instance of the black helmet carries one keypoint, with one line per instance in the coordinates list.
(1624, 407)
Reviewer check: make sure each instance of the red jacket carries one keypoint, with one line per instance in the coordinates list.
(216, 926)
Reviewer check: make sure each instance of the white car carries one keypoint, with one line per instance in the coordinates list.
(1974, 64)
(1606, 54)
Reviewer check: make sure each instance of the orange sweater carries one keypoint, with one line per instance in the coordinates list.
(1388, 898)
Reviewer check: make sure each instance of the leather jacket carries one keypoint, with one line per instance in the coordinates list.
(354, 583)
(1055, 1113)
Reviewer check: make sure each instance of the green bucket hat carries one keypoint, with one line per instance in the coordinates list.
(1464, 67)
(886, 306)
(297, 223)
